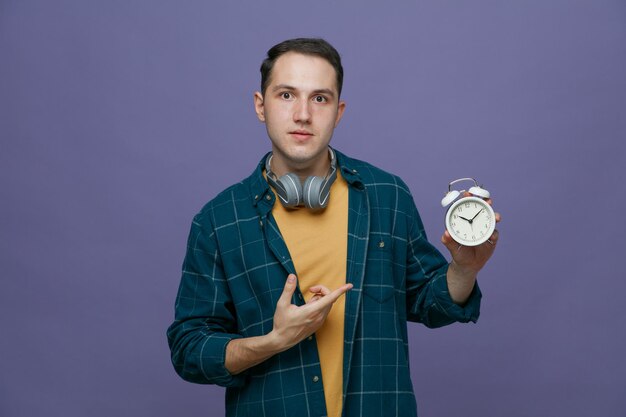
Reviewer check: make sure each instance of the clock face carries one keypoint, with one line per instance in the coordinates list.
(470, 221)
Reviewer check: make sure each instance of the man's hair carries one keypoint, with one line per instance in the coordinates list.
(306, 46)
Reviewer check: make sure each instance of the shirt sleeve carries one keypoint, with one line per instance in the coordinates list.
(428, 298)
(205, 320)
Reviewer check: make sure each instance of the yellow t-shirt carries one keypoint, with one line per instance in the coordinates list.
(318, 245)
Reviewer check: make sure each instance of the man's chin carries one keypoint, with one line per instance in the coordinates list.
(301, 157)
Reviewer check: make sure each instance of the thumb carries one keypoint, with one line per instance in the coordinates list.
(290, 288)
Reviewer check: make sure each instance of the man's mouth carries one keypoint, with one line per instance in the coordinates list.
(301, 134)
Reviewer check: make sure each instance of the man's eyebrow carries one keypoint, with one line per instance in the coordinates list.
(283, 87)
(326, 91)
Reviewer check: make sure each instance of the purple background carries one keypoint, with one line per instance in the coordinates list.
(119, 120)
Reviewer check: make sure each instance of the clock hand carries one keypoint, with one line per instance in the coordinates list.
(476, 215)
(467, 220)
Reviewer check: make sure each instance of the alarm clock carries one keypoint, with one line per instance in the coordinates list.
(470, 220)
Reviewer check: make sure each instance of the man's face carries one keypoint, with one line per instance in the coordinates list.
(300, 108)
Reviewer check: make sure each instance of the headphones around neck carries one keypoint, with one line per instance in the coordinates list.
(315, 192)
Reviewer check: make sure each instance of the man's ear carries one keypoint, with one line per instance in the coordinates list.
(341, 107)
(259, 107)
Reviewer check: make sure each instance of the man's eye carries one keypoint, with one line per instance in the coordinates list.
(320, 99)
(286, 95)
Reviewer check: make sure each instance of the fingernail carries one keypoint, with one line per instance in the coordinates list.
(291, 278)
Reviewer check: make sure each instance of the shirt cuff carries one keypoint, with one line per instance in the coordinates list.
(217, 372)
(461, 313)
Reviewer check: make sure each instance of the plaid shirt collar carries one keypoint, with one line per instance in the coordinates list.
(263, 197)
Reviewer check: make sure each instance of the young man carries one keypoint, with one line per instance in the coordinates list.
(300, 307)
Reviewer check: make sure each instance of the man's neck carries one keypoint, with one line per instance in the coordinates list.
(318, 167)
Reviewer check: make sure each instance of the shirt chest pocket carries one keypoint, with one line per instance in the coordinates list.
(378, 284)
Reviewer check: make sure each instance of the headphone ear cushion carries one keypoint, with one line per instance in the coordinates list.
(292, 190)
(311, 191)
(479, 192)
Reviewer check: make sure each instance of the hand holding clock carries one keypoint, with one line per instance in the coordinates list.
(467, 261)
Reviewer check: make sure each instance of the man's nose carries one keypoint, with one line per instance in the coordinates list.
(302, 113)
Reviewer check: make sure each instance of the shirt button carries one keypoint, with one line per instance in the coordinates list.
(381, 244)
(310, 338)
(316, 378)
(268, 197)
(300, 296)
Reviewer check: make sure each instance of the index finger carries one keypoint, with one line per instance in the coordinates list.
(330, 298)
(317, 289)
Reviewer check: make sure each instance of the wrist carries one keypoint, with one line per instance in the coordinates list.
(244, 353)
(272, 342)
(462, 271)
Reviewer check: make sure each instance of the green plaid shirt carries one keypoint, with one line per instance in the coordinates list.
(235, 270)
